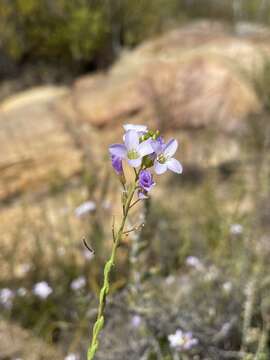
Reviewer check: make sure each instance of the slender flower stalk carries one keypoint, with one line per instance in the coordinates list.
(141, 150)
(107, 271)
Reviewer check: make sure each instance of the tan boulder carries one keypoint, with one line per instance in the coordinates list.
(195, 77)
(192, 76)
(36, 148)
(102, 100)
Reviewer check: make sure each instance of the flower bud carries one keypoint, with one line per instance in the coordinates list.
(148, 161)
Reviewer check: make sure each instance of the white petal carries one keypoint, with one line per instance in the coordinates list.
(84, 208)
(160, 168)
(140, 128)
(118, 150)
(174, 165)
(170, 148)
(135, 162)
(145, 147)
(132, 140)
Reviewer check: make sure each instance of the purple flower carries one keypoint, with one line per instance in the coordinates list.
(164, 156)
(136, 321)
(146, 183)
(133, 151)
(156, 146)
(117, 164)
(146, 180)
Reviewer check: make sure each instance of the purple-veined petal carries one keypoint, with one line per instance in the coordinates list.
(135, 162)
(117, 164)
(138, 128)
(145, 147)
(160, 168)
(170, 148)
(132, 140)
(174, 165)
(118, 150)
(156, 146)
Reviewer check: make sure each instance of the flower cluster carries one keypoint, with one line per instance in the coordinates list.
(143, 149)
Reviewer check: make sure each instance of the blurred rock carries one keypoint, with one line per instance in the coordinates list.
(194, 78)
(13, 340)
(193, 83)
(191, 77)
(36, 148)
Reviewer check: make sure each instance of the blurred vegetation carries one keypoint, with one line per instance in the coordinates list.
(88, 34)
(220, 218)
(226, 301)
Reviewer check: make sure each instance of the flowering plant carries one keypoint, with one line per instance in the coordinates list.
(142, 149)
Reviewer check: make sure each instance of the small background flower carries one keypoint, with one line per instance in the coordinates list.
(22, 291)
(42, 290)
(85, 208)
(236, 229)
(181, 340)
(136, 321)
(78, 283)
(6, 297)
(194, 262)
(72, 356)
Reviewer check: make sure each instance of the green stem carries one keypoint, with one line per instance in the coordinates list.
(106, 282)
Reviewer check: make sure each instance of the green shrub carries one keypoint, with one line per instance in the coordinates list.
(85, 31)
